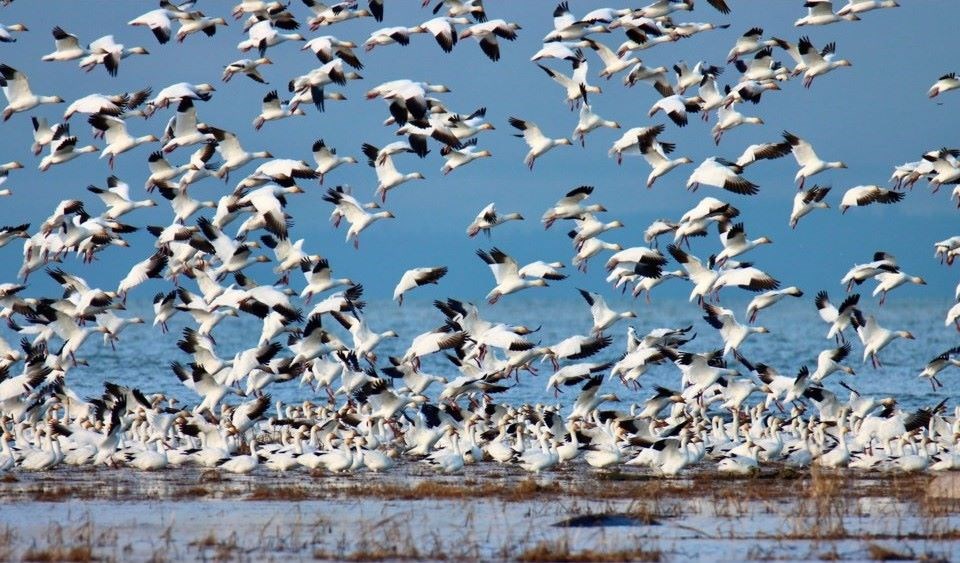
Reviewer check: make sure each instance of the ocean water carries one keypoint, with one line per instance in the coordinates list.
(797, 334)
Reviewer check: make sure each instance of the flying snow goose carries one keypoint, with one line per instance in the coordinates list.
(539, 144)
(818, 62)
(249, 67)
(180, 91)
(64, 149)
(5, 32)
(415, 278)
(566, 27)
(675, 106)
(728, 119)
(612, 63)
(590, 121)
(575, 85)
(828, 362)
(745, 277)
(721, 173)
(588, 227)
(859, 196)
(386, 36)
(17, 90)
(196, 23)
(488, 218)
(335, 13)
(5, 173)
(806, 201)
(820, 12)
(943, 84)
(938, 364)
(654, 152)
(629, 142)
(388, 177)
(115, 134)
(43, 133)
(109, 53)
(837, 318)
(590, 248)
(158, 21)
(328, 48)
(67, 47)
(861, 6)
(273, 109)
(569, 207)
(355, 213)
(263, 35)
(542, 270)
(185, 128)
(487, 32)
(888, 281)
(701, 277)
(875, 337)
(117, 198)
(152, 267)
(749, 43)
(603, 316)
(762, 67)
(327, 159)
(732, 332)
(456, 157)
(506, 273)
(769, 299)
(762, 151)
(443, 30)
(735, 241)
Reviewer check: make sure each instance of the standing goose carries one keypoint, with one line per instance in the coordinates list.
(506, 273)
(539, 144)
(17, 90)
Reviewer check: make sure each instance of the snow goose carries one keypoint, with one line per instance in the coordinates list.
(749, 43)
(335, 13)
(327, 159)
(588, 400)
(327, 48)
(109, 53)
(488, 218)
(457, 8)
(674, 105)
(117, 198)
(5, 32)
(721, 173)
(603, 316)
(568, 28)
(702, 278)
(818, 62)
(108, 105)
(575, 85)
(355, 213)
(641, 73)
(629, 142)
(542, 270)
(386, 36)
(828, 361)
(875, 337)
(859, 273)
(728, 119)
(588, 227)
(590, 248)
(861, 6)
(888, 281)
(64, 149)
(735, 241)
(943, 84)
(43, 133)
(388, 177)
(17, 90)
(263, 35)
(745, 277)
(431, 343)
(732, 332)
(838, 318)
(244, 463)
(769, 299)
(115, 134)
(539, 144)
(859, 196)
(442, 29)
(416, 278)
(612, 63)
(5, 169)
(938, 364)
(487, 32)
(234, 156)
(67, 47)
(185, 128)
(569, 207)
(506, 273)
(158, 21)
(657, 228)
(273, 109)
(249, 67)
(590, 121)
(806, 201)
(820, 12)
(456, 157)
(178, 92)
(198, 22)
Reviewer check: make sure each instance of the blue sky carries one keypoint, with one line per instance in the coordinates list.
(873, 116)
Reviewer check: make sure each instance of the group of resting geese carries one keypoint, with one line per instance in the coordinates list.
(435, 400)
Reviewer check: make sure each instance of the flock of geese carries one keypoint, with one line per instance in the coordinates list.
(364, 410)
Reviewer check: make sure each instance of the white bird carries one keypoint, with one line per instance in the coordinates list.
(875, 337)
(249, 67)
(569, 207)
(820, 12)
(590, 121)
(938, 364)
(355, 214)
(721, 173)
(603, 316)
(888, 281)
(735, 241)
(861, 6)
(115, 134)
(158, 21)
(17, 90)
(943, 84)
(486, 33)
(109, 53)
(272, 109)
(748, 43)
(859, 196)
(327, 159)
(732, 332)
(769, 299)
(506, 273)
(539, 144)
(263, 35)
(456, 157)
(816, 62)
(838, 318)
(806, 201)
(575, 86)
(67, 47)
(488, 218)
(64, 149)
(702, 278)
(416, 278)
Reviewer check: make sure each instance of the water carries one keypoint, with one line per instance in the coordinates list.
(797, 335)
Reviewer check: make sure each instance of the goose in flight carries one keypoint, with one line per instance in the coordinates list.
(816, 62)
(20, 98)
(107, 52)
(487, 32)
(506, 274)
(721, 173)
(416, 278)
(488, 218)
(820, 12)
(769, 299)
(859, 196)
(115, 134)
(249, 67)
(806, 201)
(355, 213)
(539, 144)
(875, 337)
(943, 84)
(67, 47)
